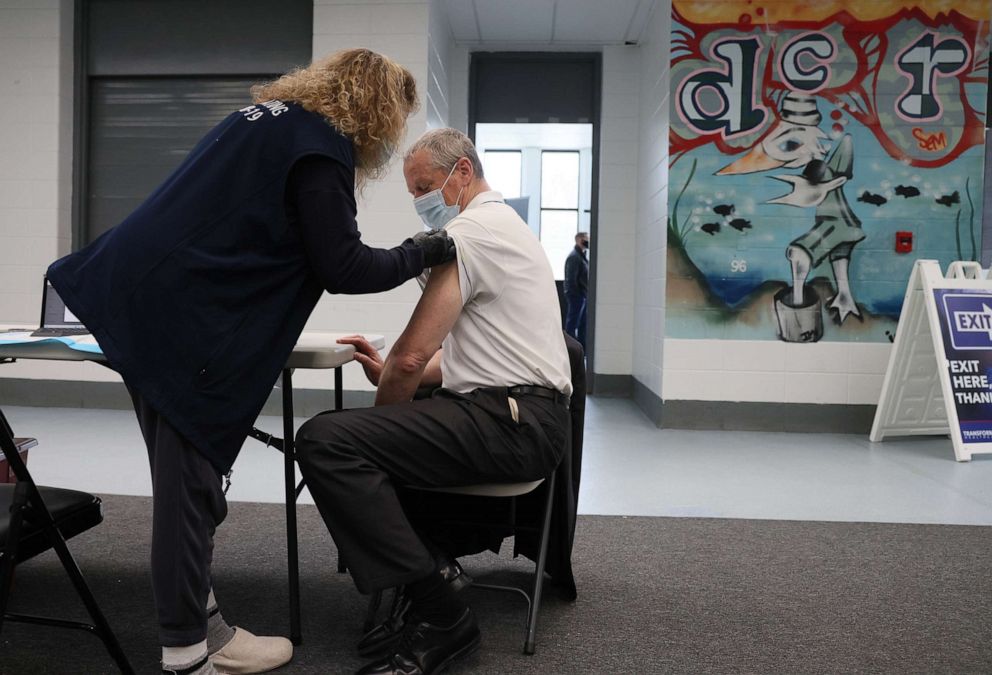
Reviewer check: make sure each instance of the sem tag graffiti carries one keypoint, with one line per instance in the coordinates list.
(805, 135)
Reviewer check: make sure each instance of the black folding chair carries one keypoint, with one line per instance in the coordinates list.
(35, 519)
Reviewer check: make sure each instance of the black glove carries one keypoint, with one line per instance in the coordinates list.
(437, 246)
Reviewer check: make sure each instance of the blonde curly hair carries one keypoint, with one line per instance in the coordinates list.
(364, 95)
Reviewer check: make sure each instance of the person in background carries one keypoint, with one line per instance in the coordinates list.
(198, 297)
(576, 283)
(487, 333)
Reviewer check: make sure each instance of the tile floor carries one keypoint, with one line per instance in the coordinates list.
(630, 467)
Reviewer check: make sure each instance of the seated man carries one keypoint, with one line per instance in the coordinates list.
(487, 330)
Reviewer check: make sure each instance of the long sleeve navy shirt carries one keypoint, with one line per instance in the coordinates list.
(198, 297)
(320, 201)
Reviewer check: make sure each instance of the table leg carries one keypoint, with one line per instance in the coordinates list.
(289, 459)
(338, 405)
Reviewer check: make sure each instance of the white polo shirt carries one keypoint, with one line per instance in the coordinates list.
(509, 331)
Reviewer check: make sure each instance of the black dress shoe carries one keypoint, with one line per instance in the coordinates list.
(456, 577)
(425, 648)
(383, 637)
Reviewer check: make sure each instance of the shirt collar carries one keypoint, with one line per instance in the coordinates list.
(483, 197)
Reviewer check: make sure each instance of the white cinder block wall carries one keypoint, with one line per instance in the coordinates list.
(437, 102)
(35, 224)
(615, 245)
(36, 63)
(652, 199)
(458, 64)
(34, 212)
(36, 174)
(385, 214)
(733, 370)
(632, 250)
(36, 71)
(772, 371)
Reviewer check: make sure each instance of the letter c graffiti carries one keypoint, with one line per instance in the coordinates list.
(817, 47)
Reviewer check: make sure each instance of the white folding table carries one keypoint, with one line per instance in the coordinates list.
(318, 350)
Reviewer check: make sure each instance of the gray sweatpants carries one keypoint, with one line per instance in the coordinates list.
(188, 504)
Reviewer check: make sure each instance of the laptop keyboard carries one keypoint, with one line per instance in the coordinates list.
(59, 332)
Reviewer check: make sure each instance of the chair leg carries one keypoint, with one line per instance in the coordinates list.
(17, 506)
(542, 558)
(100, 624)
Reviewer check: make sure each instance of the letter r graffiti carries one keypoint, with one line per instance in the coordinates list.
(731, 91)
(923, 62)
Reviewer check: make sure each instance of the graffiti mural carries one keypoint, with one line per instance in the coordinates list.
(816, 150)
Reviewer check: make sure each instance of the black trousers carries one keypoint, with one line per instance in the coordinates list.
(187, 506)
(354, 460)
(575, 317)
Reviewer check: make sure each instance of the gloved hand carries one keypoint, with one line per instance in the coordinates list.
(437, 246)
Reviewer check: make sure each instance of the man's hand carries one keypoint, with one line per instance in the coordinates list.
(367, 355)
(437, 246)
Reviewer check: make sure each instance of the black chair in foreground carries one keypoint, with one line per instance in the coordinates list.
(539, 514)
(35, 519)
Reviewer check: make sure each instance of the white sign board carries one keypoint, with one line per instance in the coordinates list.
(939, 377)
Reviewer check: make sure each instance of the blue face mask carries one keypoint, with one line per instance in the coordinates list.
(432, 208)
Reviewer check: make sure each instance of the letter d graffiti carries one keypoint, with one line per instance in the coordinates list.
(724, 99)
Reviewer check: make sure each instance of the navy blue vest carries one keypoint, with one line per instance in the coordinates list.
(198, 297)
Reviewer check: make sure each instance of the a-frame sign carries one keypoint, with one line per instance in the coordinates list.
(939, 377)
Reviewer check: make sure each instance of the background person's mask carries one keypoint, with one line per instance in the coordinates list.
(432, 208)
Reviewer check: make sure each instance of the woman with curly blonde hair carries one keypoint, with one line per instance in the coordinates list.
(365, 95)
(198, 297)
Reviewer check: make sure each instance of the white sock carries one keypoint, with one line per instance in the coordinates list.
(219, 633)
(181, 658)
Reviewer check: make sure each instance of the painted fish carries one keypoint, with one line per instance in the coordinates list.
(723, 209)
(907, 191)
(871, 198)
(948, 200)
(740, 224)
(710, 228)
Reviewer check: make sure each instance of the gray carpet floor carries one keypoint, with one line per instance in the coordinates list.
(656, 595)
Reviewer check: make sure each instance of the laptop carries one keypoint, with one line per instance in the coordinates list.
(56, 319)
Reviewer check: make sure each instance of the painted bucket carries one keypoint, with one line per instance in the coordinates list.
(799, 324)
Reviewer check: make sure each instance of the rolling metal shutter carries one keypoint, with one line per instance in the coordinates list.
(158, 74)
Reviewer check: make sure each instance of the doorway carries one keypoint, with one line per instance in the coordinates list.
(540, 148)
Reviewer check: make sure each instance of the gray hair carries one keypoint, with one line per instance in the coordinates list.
(446, 146)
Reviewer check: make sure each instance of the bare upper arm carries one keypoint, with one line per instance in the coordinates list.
(434, 316)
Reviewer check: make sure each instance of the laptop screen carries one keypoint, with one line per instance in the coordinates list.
(54, 313)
